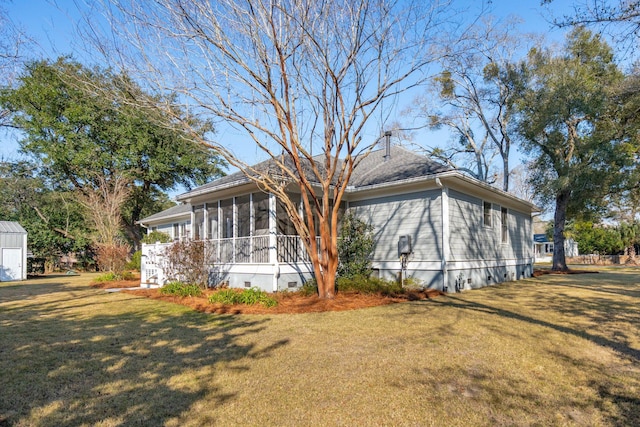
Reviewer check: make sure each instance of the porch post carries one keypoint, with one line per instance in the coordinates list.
(234, 215)
(205, 225)
(219, 232)
(192, 221)
(273, 240)
(252, 226)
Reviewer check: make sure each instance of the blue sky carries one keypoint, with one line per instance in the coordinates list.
(50, 24)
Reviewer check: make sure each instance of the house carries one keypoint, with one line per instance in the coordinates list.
(543, 248)
(458, 232)
(13, 251)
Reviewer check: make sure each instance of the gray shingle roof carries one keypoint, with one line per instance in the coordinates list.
(238, 178)
(402, 164)
(373, 169)
(172, 211)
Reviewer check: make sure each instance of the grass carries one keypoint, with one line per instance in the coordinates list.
(557, 350)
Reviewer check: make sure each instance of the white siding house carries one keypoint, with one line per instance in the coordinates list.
(13, 251)
(464, 233)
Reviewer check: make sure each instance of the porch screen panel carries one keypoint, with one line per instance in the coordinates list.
(227, 218)
(290, 249)
(243, 241)
(283, 220)
(226, 246)
(198, 223)
(260, 239)
(212, 212)
(244, 216)
(261, 213)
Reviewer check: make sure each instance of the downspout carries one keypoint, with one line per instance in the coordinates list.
(444, 248)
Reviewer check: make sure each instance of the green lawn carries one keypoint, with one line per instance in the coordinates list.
(561, 350)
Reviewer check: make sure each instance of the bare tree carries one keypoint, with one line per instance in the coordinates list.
(473, 93)
(621, 19)
(298, 78)
(520, 182)
(12, 41)
(104, 205)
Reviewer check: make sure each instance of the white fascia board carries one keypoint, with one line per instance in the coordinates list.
(165, 219)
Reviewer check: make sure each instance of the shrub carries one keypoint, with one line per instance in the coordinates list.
(224, 296)
(127, 275)
(135, 262)
(246, 296)
(309, 288)
(355, 247)
(181, 289)
(188, 262)
(112, 257)
(156, 236)
(368, 285)
(107, 277)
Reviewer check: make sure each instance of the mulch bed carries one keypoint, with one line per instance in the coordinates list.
(292, 302)
(289, 303)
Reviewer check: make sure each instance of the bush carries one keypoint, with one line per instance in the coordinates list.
(188, 262)
(135, 262)
(127, 275)
(156, 236)
(246, 296)
(368, 285)
(355, 247)
(181, 289)
(309, 288)
(107, 277)
(112, 257)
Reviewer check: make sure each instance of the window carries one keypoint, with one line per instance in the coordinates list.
(176, 231)
(505, 225)
(487, 214)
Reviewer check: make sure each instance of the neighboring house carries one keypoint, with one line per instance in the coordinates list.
(543, 248)
(462, 233)
(13, 251)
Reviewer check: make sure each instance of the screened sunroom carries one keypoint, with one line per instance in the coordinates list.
(249, 240)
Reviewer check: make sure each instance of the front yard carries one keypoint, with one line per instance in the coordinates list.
(554, 350)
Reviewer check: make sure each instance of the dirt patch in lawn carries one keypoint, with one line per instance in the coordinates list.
(538, 273)
(292, 302)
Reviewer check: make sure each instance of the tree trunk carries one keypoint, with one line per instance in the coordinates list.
(560, 218)
(505, 172)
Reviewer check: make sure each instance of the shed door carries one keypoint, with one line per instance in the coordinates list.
(11, 268)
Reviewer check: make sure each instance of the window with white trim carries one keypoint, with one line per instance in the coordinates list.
(504, 216)
(486, 207)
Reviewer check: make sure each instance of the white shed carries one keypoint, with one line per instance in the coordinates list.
(13, 251)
